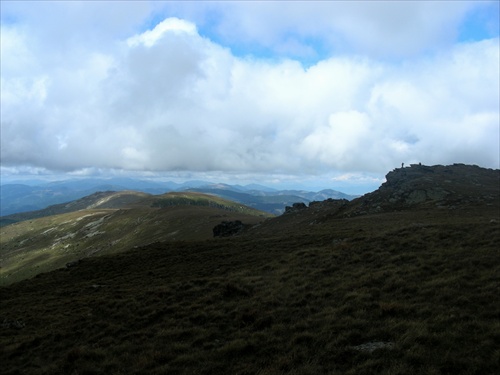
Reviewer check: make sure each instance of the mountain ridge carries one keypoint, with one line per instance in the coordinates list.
(412, 188)
(444, 190)
(336, 287)
(16, 198)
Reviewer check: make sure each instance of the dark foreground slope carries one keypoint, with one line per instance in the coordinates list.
(404, 291)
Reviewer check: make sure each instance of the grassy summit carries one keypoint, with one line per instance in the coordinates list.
(366, 287)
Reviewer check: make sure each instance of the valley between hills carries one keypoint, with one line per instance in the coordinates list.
(403, 280)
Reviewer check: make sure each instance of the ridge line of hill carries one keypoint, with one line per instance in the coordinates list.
(24, 198)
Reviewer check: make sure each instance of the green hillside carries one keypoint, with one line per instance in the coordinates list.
(39, 245)
(103, 199)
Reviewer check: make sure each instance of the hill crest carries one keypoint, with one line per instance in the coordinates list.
(441, 186)
(437, 189)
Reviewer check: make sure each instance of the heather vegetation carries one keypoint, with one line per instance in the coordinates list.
(328, 289)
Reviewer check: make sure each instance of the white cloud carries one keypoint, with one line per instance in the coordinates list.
(378, 28)
(168, 99)
(357, 177)
(169, 25)
(339, 142)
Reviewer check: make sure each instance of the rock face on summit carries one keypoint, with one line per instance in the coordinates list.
(450, 186)
(456, 190)
(417, 184)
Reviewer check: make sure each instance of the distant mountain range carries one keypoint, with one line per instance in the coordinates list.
(24, 197)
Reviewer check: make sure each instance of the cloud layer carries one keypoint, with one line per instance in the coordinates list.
(168, 98)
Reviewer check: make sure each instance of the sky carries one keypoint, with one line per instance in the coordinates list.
(304, 94)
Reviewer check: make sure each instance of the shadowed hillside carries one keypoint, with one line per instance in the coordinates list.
(400, 281)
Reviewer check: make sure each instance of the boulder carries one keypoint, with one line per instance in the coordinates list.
(228, 228)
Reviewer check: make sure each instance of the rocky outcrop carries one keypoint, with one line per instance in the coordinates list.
(419, 183)
(228, 228)
(295, 207)
(330, 203)
(450, 187)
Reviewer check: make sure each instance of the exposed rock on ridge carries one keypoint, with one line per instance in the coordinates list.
(415, 187)
(295, 207)
(450, 187)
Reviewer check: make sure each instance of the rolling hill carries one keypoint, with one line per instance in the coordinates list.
(20, 198)
(110, 222)
(403, 280)
(16, 198)
(104, 199)
(270, 201)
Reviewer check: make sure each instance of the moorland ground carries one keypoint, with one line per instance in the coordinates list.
(404, 280)
(391, 293)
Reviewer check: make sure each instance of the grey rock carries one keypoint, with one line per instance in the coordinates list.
(13, 323)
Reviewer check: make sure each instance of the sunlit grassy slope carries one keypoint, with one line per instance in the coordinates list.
(103, 199)
(40, 245)
(358, 288)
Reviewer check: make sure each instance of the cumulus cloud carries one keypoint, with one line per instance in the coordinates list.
(169, 99)
(170, 25)
(378, 28)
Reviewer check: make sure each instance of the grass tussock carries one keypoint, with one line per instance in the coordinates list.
(352, 296)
